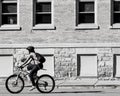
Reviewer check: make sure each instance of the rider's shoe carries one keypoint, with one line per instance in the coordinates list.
(32, 88)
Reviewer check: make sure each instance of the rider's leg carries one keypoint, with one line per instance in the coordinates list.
(31, 75)
(30, 66)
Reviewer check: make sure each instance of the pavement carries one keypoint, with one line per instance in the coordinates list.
(86, 82)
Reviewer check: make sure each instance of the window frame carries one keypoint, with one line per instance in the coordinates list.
(86, 25)
(113, 25)
(9, 26)
(43, 26)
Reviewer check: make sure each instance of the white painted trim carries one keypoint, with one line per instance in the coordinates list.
(44, 0)
(64, 45)
(87, 26)
(96, 10)
(86, 0)
(9, 1)
(115, 26)
(10, 27)
(18, 12)
(52, 9)
(43, 26)
(116, 0)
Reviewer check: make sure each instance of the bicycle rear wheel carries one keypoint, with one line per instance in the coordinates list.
(45, 84)
(14, 84)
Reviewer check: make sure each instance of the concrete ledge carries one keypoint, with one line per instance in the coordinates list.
(67, 45)
(88, 83)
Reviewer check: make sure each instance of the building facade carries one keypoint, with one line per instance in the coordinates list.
(79, 38)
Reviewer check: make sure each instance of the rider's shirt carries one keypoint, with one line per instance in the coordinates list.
(34, 59)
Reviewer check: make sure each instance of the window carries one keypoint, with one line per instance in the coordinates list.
(116, 65)
(43, 15)
(86, 12)
(8, 14)
(86, 16)
(116, 18)
(115, 13)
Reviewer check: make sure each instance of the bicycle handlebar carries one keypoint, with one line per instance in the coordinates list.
(43, 69)
(20, 67)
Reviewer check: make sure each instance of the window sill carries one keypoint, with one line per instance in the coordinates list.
(9, 27)
(44, 27)
(115, 26)
(86, 26)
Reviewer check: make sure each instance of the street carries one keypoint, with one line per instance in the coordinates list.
(66, 92)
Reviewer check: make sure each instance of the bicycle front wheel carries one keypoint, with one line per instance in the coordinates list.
(14, 84)
(45, 84)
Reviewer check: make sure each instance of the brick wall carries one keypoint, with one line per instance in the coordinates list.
(64, 21)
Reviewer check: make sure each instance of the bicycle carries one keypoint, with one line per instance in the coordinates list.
(15, 83)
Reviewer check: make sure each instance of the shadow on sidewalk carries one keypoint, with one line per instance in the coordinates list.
(76, 92)
(66, 92)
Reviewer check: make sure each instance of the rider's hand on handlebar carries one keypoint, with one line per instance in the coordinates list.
(16, 67)
(20, 67)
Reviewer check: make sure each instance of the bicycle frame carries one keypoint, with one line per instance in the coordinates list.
(21, 72)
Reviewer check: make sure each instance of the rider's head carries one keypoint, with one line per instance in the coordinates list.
(30, 49)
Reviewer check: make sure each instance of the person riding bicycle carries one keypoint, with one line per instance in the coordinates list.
(33, 64)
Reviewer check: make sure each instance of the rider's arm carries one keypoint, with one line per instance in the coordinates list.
(29, 59)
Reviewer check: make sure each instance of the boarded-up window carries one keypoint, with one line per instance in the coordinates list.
(6, 66)
(87, 65)
(48, 66)
(116, 66)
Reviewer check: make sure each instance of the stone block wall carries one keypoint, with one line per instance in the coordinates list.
(65, 63)
(105, 63)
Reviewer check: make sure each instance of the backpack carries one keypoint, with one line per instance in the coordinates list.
(40, 58)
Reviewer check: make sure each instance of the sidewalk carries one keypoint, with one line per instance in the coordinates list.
(81, 83)
(88, 83)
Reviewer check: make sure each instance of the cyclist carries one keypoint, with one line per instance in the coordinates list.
(33, 65)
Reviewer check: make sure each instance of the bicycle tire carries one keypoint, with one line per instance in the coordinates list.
(7, 84)
(42, 77)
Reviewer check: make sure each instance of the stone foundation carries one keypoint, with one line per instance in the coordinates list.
(65, 60)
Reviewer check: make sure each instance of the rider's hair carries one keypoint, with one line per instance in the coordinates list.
(30, 49)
